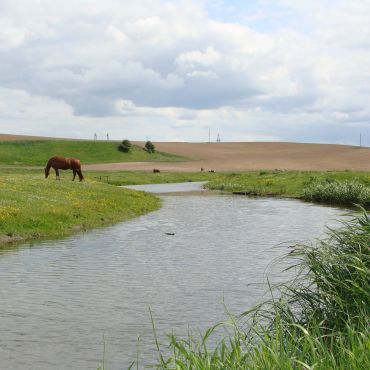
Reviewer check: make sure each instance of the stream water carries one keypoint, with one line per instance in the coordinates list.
(62, 301)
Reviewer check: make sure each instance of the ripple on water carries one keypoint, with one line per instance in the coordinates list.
(58, 299)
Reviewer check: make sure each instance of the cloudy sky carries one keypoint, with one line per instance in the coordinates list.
(250, 70)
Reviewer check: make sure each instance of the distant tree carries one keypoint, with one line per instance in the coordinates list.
(125, 146)
(149, 147)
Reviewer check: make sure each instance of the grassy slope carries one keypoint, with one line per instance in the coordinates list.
(32, 207)
(38, 152)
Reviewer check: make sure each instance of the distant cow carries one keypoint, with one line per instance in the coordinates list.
(156, 170)
(213, 171)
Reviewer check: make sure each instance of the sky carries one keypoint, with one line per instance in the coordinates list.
(161, 70)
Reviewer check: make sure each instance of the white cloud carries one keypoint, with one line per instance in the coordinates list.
(11, 35)
(169, 64)
(196, 58)
(19, 104)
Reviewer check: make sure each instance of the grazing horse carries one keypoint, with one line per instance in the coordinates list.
(61, 163)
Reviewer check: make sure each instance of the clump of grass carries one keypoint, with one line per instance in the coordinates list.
(335, 289)
(338, 192)
(320, 320)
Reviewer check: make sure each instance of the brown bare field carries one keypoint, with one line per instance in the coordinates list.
(8, 137)
(254, 156)
(244, 156)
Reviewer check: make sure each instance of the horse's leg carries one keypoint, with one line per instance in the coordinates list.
(79, 172)
(74, 174)
(57, 173)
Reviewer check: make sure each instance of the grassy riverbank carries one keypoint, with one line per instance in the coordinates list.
(255, 182)
(36, 153)
(345, 188)
(33, 208)
(338, 188)
(281, 182)
(320, 320)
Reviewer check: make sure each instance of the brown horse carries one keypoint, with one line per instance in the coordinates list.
(61, 163)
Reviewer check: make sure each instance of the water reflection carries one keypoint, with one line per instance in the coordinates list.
(59, 299)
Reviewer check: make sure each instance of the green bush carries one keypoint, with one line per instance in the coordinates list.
(125, 146)
(149, 147)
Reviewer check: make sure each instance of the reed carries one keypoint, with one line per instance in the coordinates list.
(319, 320)
(338, 192)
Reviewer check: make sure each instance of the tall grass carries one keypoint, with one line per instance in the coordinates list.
(338, 192)
(319, 320)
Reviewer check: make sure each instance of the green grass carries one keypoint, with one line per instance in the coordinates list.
(37, 153)
(280, 182)
(32, 207)
(118, 178)
(319, 320)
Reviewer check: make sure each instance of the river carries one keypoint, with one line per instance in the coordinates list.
(63, 301)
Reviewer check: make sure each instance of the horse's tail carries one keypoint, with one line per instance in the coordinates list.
(77, 165)
(80, 175)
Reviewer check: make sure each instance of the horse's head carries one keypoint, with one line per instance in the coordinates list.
(46, 172)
